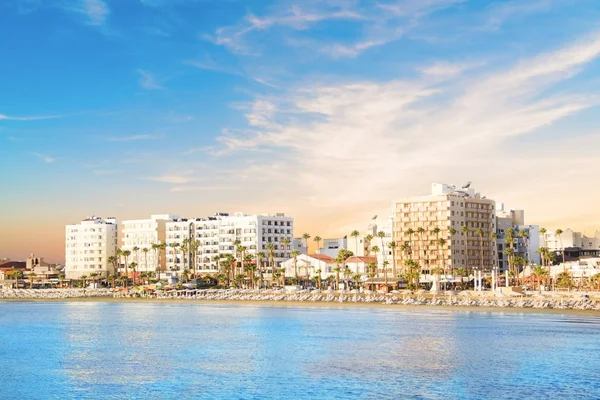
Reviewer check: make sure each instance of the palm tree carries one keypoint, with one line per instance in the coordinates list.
(461, 272)
(133, 266)
(375, 250)
(480, 233)
(185, 274)
(270, 250)
(337, 277)
(392, 245)
(509, 238)
(557, 233)
(372, 267)
(83, 278)
(385, 268)
(381, 235)
(61, 277)
(355, 234)
(259, 262)
(441, 242)
(136, 250)
(538, 272)
(295, 254)
(368, 239)
(112, 278)
(286, 245)
(31, 276)
(318, 240)
(184, 246)
(524, 235)
(194, 246)
(318, 273)
(242, 251)
(156, 247)
(452, 232)
(465, 229)
(356, 279)
(119, 254)
(113, 260)
(347, 273)
(145, 250)
(306, 236)
(405, 249)
(126, 254)
(543, 233)
(93, 277)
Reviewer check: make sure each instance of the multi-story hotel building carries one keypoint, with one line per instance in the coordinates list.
(447, 208)
(141, 234)
(88, 245)
(526, 246)
(206, 238)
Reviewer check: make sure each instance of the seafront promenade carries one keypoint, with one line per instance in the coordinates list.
(547, 300)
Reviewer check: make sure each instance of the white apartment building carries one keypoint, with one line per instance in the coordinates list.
(206, 238)
(88, 245)
(446, 208)
(570, 239)
(142, 234)
(527, 247)
(380, 224)
(331, 247)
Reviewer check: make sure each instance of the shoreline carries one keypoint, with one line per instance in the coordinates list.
(308, 304)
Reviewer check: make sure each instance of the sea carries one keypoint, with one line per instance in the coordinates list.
(160, 350)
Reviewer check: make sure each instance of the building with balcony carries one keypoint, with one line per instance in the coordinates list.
(88, 246)
(198, 244)
(526, 246)
(140, 234)
(449, 209)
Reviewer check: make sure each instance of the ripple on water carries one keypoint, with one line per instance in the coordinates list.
(156, 350)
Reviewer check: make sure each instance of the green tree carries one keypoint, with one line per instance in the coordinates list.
(306, 236)
(126, 254)
(465, 229)
(32, 275)
(355, 234)
(295, 254)
(538, 272)
(372, 268)
(368, 239)
(317, 239)
(392, 246)
(479, 232)
(260, 256)
(557, 233)
(270, 250)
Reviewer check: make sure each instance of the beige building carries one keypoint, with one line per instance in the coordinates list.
(446, 208)
(142, 234)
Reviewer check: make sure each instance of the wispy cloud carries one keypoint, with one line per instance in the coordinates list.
(44, 158)
(148, 81)
(499, 13)
(174, 178)
(134, 138)
(373, 136)
(209, 64)
(95, 11)
(30, 118)
(444, 69)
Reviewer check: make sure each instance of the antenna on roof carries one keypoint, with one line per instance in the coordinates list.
(466, 185)
(374, 217)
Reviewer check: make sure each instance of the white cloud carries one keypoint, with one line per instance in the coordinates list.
(134, 138)
(148, 81)
(96, 11)
(173, 178)
(445, 69)
(35, 118)
(44, 158)
(346, 145)
(500, 12)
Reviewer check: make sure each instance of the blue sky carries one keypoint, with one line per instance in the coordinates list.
(327, 110)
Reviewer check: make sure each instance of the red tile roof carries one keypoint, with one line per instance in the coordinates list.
(321, 257)
(365, 260)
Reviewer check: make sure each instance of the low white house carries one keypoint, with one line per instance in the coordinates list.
(359, 265)
(307, 265)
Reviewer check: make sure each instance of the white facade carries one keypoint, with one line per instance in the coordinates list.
(88, 245)
(143, 233)
(570, 239)
(307, 265)
(298, 244)
(528, 247)
(331, 247)
(215, 236)
(385, 225)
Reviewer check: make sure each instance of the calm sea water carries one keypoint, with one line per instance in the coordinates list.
(159, 351)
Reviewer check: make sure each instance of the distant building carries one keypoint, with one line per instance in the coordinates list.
(526, 247)
(142, 234)
(381, 224)
(447, 207)
(207, 238)
(308, 265)
(88, 246)
(331, 247)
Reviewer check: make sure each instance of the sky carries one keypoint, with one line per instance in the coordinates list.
(326, 110)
